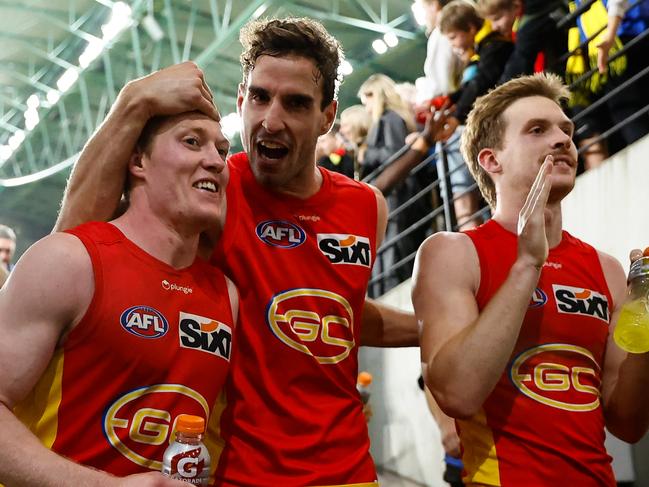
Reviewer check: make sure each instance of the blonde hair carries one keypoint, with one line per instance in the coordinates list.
(359, 120)
(385, 97)
(485, 126)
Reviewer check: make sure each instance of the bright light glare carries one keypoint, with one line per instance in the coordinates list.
(391, 39)
(16, 139)
(67, 79)
(33, 101)
(5, 152)
(31, 118)
(345, 68)
(379, 46)
(260, 10)
(119, 20)
(418, 13)
(53, 96)
(231, 125)
(92, 51)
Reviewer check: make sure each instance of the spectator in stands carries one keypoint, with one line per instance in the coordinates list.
(532, 24)
(442, 67)
(330, 153)
(355, 124)
(443, 72)
(392, 121)
(7, 249)
(583, 39)
(485, 51)
(626, 24)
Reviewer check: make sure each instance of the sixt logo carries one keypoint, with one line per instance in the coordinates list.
(342, 248)
(205, 334)
(559, 375)
(144, 322)
(316, 322)
(539, 298)
(579, 301)
(280, 233)
(138, 423)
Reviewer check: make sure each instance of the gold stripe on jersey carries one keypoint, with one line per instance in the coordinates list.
(213, 439)
(481, 460)
(39, 410)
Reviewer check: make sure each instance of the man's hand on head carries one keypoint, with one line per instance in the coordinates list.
(173, 90)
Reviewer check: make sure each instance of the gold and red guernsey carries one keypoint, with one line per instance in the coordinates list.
(293, 415)
(155, 343)
(543, 423)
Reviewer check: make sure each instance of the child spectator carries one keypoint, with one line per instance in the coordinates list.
(485, 51)
(532, 24)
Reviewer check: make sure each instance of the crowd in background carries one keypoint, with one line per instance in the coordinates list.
(473, 47)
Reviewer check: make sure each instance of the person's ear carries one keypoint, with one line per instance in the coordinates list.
(135, 163)
(488, 161)
(240, 95)
(329, 115)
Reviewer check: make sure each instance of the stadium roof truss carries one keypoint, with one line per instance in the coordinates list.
(62, 63)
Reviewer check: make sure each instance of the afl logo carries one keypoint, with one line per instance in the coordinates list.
(559, 375)
(280, 233)
(539, 298)
(140, 423)
(144, 322)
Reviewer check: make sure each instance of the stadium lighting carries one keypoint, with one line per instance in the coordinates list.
(33, 101)
(346, 68)
(67, 79)
(418, 13)
(391, 39)
(379, 46)
(231, 124)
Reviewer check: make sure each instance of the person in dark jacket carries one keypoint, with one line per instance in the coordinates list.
(485, 51)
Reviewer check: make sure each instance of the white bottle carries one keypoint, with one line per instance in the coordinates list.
(187, 458)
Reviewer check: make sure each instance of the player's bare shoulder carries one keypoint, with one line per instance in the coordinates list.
(59, 271)
(614, 274)
(448, 256)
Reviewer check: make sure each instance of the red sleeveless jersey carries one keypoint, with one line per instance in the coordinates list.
(543, 423)
(154, 343)
(293, 415)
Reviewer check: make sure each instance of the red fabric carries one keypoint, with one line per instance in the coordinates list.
(292, 419)
(106, 365)
(538, 443)
(539, 64)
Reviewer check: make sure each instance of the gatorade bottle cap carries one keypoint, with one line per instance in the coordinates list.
(188, 423)
(364, 378)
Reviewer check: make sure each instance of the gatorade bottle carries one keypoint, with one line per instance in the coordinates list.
(632, 329)
(363, 385)
(187, 458)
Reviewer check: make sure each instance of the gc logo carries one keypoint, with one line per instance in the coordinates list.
(316, 322)
(135, 423)
(559, 375)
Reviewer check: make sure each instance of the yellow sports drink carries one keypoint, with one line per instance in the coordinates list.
(632, 328)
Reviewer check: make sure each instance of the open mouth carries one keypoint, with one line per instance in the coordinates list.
(272, 150)
(206, 185)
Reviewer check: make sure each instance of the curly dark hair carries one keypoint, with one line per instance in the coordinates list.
(294, 36)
